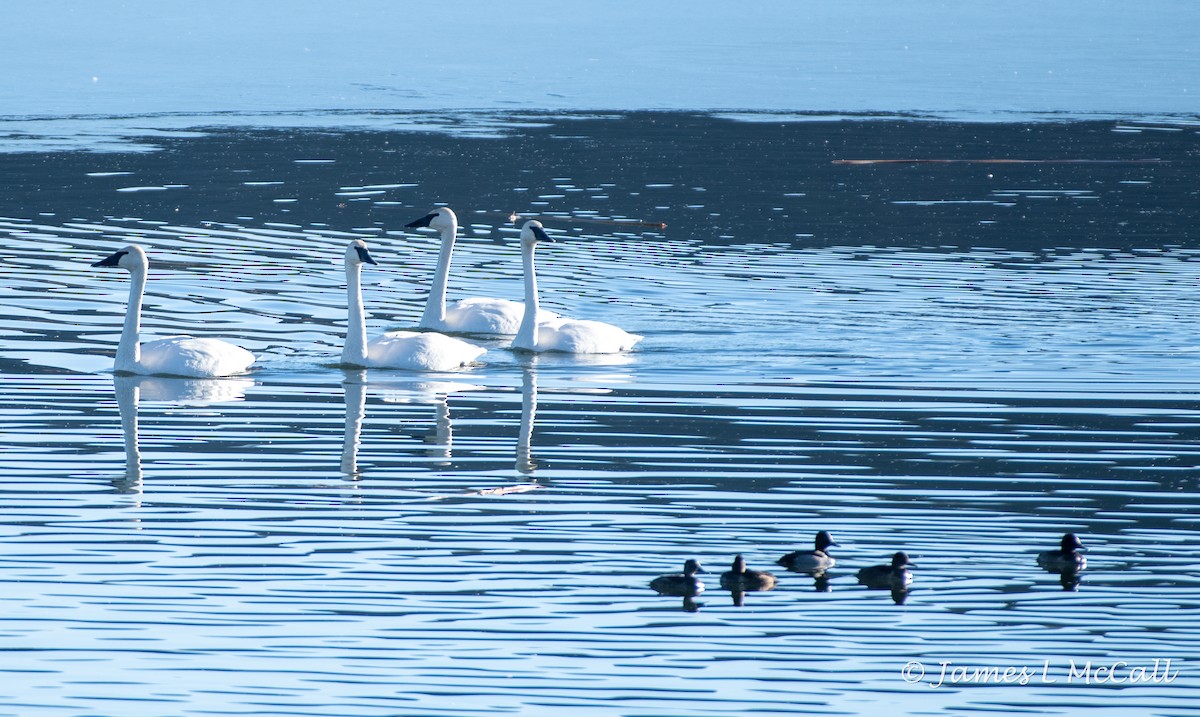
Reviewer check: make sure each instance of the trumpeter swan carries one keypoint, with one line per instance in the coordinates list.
(477, 315)
(173, 355)
(560, 334)
(418, 351)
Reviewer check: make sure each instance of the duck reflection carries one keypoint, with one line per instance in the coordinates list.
(1069, 579)
(131, 390)
(440, 440)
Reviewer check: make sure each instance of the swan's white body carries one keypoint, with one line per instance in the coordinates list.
(476, 315)
(579, 336)
(174, 355)
(416, 351)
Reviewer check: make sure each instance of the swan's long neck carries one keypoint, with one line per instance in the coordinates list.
(527, 334)
(435, 305)
(129, 349)
(354, 352)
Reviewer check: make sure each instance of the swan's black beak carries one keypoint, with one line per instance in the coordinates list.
(422, 222)
(112, 259)
(541, 235)
(365, 256)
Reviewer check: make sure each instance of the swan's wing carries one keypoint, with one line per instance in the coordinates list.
(582, 336)
(484, 316)
(188, 356)
(480, 315)
(421, 351)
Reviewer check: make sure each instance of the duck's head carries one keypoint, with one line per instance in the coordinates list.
(439, 218)
(824, 540)
(739, 564)
(1071, 543)
(131, 258)
(900, 561)
(533, 233)
(693, 567)
(357, 254)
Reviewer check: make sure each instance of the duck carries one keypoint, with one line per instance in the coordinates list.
(411, 350)
(811, 561)
(538, 333)
(684, 584)
(476, 315)
(1066, 559)
(174, 355)
(739, 579)
(884, 577)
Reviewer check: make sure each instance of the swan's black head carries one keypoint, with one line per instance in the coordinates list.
(539, 234)
(113, 259)
(441, 218)
(422, 222)
(363, 255)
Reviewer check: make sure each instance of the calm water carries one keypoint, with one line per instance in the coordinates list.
(110, 75)
(962, 360)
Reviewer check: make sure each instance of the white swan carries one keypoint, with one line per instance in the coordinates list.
(561, 334)
(418, 351)
(469, 316)
(174, 355)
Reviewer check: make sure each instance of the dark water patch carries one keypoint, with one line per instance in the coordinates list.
(762, 182)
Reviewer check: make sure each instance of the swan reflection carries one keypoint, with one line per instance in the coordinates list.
(130, 390)
(420, 392)
(356, 408)
(525, 464)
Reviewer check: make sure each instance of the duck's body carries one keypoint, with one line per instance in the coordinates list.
(539, 333)
(173, 355)
(1066, 559)
(411, 350)
(477, 315)
(684, 584)
(739, 579)
(811, 561)
(888, 577)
